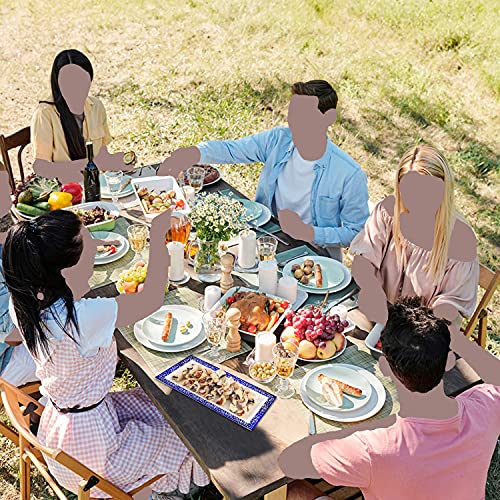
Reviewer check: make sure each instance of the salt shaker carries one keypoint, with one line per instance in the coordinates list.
(233, 339)
(226, 281)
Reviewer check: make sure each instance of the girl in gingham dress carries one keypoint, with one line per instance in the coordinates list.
(120, 435)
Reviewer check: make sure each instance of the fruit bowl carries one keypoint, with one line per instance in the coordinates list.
(320, 337)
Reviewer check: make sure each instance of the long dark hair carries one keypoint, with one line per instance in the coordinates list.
(34, 254)
(74, 138)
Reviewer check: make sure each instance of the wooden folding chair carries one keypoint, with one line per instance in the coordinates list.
(10, 432)
(19, 139)
(18, 406)
(488, 280)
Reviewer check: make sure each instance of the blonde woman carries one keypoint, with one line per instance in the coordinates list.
(416, 243)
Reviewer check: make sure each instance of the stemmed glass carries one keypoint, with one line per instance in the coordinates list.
(215, 328)
(285, 358)
(195, 177)
(114, 183)
(137, 237)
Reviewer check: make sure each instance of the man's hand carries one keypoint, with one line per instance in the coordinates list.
(110, 162)
(294, 226)
(179, 160)
(67, 171)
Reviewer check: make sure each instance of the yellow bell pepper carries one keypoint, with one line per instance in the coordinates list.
(58, 200)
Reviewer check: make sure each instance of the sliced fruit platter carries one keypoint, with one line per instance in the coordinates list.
(132, 279)
(319, 336)
(259, 312)
(38, 195)
(212, 175)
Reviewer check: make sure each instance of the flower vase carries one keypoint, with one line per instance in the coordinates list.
(207, 261)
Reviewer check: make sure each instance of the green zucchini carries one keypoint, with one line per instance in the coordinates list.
(29, 210)
(42, 205)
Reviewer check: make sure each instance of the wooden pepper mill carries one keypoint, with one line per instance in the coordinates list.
(226, 281)
(233, 338)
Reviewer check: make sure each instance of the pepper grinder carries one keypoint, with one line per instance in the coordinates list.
(226, 281)
(233, 338)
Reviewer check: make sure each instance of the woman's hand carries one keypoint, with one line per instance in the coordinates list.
(179, 160)
(107, 161)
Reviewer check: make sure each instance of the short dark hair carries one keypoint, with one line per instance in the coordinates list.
(416, 344)
(321, 89)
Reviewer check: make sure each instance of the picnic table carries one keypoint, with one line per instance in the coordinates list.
(242, 464)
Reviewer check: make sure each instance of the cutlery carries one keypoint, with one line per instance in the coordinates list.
(342, 299)
(257, 228)
(285, 262)
(312, 424)
(322, 305)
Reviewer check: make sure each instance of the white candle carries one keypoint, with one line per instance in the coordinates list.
(189, 193)
(176, 251)
(264, 343)
(287, 288)
(212, 295)
(268, 276)
(247, 249)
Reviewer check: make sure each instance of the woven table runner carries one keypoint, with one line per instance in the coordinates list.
(160, 361)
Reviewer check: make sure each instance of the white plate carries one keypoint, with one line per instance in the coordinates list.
(374, 405)
(159, 183)
(312, 387)
(208, 183)
(152, 326)
(321, 291)
(264, 218)
(333, 274)
(121, 251)
(129, 190)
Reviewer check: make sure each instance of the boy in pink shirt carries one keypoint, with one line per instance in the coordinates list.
(436, 447)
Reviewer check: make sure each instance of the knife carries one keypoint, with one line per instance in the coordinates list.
(342, 299)
(312, 424)
(258, 228)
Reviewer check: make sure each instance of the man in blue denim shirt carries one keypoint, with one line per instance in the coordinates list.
(318, 191)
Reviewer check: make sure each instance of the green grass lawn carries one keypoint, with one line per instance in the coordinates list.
(174, 73)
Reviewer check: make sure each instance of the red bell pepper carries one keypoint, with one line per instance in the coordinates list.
(75, 189)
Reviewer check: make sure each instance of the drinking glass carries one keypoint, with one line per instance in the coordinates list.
(266, 247)
(137, 237)
(196, 176)
(284, 361)
(215, 328)
(114, 183)
(180, 229)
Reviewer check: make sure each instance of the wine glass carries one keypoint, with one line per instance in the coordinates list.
(114, 183)
(285, 357)
(137, 237)
(215, 328)
(195, 177)
(266, 247)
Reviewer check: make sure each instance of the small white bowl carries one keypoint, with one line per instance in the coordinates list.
(372, 339)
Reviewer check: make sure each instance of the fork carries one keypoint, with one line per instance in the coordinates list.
(285, 262)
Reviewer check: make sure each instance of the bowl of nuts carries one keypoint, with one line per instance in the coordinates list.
(261, 371)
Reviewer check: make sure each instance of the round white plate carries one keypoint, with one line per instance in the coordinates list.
(152, 327)
(129, 190)
(121, 251)
(312, 387)
(216, 180)
(372, 407)
(333, 274)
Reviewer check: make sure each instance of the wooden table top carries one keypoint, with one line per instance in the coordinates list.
(243, 464)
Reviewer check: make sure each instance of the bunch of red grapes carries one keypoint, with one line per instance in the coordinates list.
(311, 324)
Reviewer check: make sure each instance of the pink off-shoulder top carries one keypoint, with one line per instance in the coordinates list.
(375, 242)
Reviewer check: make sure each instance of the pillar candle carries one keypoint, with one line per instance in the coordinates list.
(264, 343)
(212, 295)
(268, 276)
(176, 251)
(287, 288)
(247, 249)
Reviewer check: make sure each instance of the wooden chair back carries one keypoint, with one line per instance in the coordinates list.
(19, 139)
(488, 280)
(18, 406)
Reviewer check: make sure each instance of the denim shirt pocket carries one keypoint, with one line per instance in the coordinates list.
(328, 211)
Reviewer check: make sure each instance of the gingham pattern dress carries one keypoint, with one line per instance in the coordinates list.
(125, 438)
